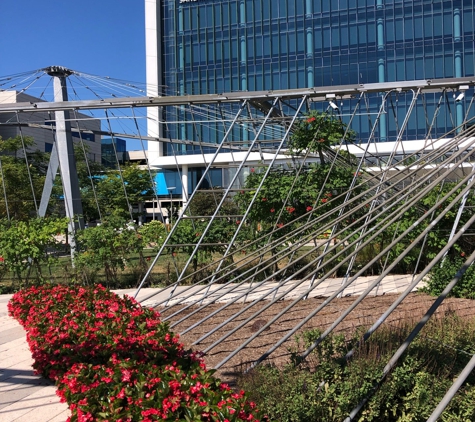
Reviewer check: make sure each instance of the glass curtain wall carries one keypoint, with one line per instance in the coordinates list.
(251, 45)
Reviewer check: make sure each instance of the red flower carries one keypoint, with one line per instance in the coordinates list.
(95, 344)
(311, 119)
(290, 210)
(309, 208)
(272, 210)
(462, 254)
(238, 222)
(252, 170)
(280, 225)
(264, 199)
(324, 200)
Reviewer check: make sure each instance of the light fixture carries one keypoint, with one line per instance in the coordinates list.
(170, 190)
(333, 105)
(460, 97)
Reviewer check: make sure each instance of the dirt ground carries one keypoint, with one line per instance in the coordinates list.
(212, 316)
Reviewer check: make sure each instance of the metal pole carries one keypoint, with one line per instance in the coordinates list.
(452, 391)
(66, 159)
(393, 361)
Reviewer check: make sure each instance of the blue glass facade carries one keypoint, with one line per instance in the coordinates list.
(113, 150)
(237, 45)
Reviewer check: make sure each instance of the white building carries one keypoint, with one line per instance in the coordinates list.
(40, 126)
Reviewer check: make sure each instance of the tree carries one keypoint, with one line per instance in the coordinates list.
(291, 192)
(26, 245)
(153, 234)
(118, 193)
(20, 185)
(89, 176)
(298, 189)
(205, 203)
(318, 131)
(108, 247)
(437, 237)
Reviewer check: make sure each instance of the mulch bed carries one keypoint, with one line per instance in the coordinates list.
(364, 315)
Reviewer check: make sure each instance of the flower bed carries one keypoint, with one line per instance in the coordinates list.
(113, 360)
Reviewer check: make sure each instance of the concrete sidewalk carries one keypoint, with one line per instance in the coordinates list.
(25, 397)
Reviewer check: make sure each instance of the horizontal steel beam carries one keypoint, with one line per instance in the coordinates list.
(229, 145)
(316, 93)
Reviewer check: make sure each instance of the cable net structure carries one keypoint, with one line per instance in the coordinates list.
(317, 214)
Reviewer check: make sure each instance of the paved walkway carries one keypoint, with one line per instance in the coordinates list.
(25, 397)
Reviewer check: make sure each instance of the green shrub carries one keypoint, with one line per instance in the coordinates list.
(326, 387)
(444, 272)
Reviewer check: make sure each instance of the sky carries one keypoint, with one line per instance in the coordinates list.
(97, 37)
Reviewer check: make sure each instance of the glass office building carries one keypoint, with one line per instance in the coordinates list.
(231, 45)
(212, 46)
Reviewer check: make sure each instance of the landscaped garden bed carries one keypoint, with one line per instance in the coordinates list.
(113, 360)
(326, 387)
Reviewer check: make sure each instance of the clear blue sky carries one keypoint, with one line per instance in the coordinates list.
(97, 37)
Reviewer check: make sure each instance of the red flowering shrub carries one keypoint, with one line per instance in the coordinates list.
(67, 325)
(115, 360)
(125, 390)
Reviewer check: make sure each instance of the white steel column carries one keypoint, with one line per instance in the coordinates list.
(153, 53)
(184, 184)
(65, 157)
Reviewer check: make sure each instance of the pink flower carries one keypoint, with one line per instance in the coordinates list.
(126, 374)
